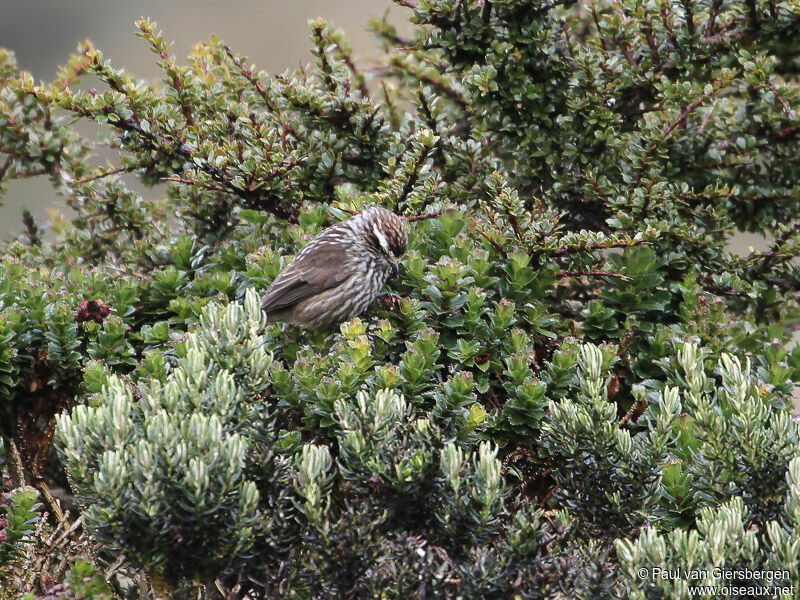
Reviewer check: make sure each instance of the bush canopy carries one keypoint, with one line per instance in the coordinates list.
(574, 387)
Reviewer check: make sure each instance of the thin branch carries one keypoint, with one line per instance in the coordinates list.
(766, 260)
(593, 274)
(16, 469)
(671, 33)
(723, 291)
(497, 246)
(725, 165)
(626, 52)
(348, 60)
(177, 85)
(205, 184)
(713, 11)
(52, 503)
(595, 246)
(104, 174)
(33, 172)
(786, 108)
(424, 217)
(248, 75)
(347, 210)
(707, 117)
(440, 86)
(651, 41)
(73, 528)
(723, 37)
(512, 219)
(413, 177)
(284, 167)
(786, 132)
(665, 134)
(599, 29)
(4, 166)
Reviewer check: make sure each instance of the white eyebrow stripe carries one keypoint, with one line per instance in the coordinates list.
(381, 238)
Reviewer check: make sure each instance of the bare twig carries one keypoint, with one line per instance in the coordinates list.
(413, 177)
(713, 11)
(707, 117)
(786, 108)
(671, 127)
(52, 503)
(248, 74)
(72, 529)
(347, 210)
(4, 166)
(651, 41)
(766, 260)
(104, 174)
(348, 60)
(424, 217)
(16, 470)
(497, 246)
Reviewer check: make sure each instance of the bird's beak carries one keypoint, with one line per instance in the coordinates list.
(395, 269)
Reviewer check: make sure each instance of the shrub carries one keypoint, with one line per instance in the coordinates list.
(574, 368)
(18, 517)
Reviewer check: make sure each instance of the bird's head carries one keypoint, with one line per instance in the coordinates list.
(385, 236)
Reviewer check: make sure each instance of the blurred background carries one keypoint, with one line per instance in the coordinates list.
(272, 34)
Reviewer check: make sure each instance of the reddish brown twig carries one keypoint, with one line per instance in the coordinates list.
(599, 29)
(647, 29)
(177, 84)
(786, 108)
(4, 166)
(497, 246)
(713, 11)
(347, 210)
(424, 217)
(706, 118)
(666, 133)
(248, 74)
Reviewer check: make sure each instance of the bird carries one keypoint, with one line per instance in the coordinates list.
(340, 272)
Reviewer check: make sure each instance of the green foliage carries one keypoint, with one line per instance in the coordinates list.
(143, 488)
(200, 458)
(570, 329)
(18, 517)
(83, 581)
(586, 446)
(725, 540)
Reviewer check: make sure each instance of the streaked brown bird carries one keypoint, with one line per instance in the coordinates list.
(339, 273)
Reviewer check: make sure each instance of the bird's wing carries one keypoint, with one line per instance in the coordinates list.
(307, 275)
